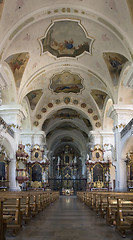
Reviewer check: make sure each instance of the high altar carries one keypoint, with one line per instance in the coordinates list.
(98, 170)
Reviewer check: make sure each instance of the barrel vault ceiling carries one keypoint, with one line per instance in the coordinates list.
(66, 64)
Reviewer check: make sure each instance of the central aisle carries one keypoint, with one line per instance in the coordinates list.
(67, 219)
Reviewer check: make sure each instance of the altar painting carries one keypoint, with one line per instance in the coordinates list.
(2, 171)
(37, 173)
(131, 172)
(66, 38)
(97, 173)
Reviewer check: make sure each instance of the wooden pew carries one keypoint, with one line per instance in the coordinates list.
(129, 219)
(116, 207)
(19, 206)
(3, 221)
(124, 209)
(12, 206)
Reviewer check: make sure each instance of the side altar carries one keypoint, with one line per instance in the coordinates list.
(129, 163)
(32, 170)
(98, 171)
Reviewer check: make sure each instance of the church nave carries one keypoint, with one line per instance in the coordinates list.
(67, 219)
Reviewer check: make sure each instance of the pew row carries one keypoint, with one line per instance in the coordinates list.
(17, 208)
(115, 207)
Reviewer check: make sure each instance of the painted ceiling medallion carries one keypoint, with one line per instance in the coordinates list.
(39, 116)
(44, 110)
(66, 82)
(62, 39)
(50, 105)
(98, 124)
(57, 101)
(90, 110)
(95, 117)
(36, 123)
(66, 100)
(75, 102)
(83, 105)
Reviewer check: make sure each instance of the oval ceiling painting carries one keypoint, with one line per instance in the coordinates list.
(66, 38)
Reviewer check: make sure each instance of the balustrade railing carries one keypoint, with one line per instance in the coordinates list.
(127, 128)
(6, 127)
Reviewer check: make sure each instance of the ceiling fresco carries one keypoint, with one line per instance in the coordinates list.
(130, 5)
(99, 97)
(67, 139)
(66, 114)
(66, 82)
(87, 122)
(17, 63)
(66, 38)
(67, 126)
(34, 97)
(115, 63)
(1, 7)
(69, 64)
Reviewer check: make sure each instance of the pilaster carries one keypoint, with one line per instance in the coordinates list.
(121, 114)
(13, 116)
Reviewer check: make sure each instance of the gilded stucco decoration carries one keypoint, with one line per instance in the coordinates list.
(83, 105)
(50, 105)
(66, 100)
(90, 110)
(44, 110)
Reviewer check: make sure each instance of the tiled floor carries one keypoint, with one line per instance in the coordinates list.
(67, 219)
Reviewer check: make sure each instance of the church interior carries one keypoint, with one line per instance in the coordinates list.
(66, 104)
